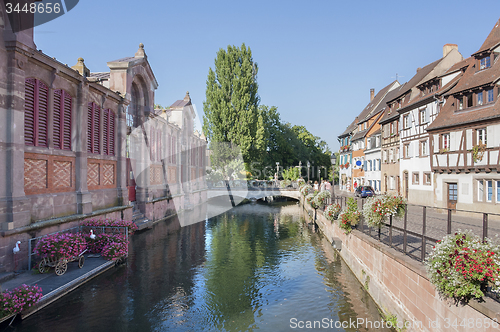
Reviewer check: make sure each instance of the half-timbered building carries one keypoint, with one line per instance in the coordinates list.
(417, 183)
(465, 135)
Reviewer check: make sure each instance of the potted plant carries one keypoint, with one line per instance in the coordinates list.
(462, 266)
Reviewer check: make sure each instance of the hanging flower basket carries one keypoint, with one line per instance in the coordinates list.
(377, 209)
(349, 216)
(462, 266)
(332, 212)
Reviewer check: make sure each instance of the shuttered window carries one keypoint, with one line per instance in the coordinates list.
(108, 135)
(93, 125)
(36, 112)
(62, 120)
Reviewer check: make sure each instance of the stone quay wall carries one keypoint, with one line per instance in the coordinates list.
(400, 285)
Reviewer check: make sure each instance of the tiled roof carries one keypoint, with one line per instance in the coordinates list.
(181, 103)
(492, 40)
(127, 59)
(416, 80)
(387, 117)
(373, 105)
(101, 76)
(425, 99)
(359, 134)
(473, 78)
(348, 130)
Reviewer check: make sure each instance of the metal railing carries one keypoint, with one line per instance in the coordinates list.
(422, 226)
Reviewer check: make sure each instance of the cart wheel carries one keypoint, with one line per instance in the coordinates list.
(61, 267)
(42, 267)
(81, 261)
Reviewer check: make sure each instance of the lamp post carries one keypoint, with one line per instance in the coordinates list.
(308, 166)
(333, 159)
(277, 172)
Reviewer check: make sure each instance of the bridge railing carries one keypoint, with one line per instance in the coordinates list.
(254, 184)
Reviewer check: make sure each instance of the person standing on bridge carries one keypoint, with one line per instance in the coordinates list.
(276, 179)
(322, 187)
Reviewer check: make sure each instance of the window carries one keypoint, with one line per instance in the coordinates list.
(498, 192)
(391, 155)
(481, 135)
(423, 148)
(469, 100)
(460, 103)
(480, 190)
(36, 113)
(480, 98)
(406, 150)
(445, 141)
(379, 164)
(406, 121)
(93, 125)
(415, 177)
(484, 63)
(423, 116)
(62, 120)
(427, 178)
(489, 192)
(108, 137)
(489, 95)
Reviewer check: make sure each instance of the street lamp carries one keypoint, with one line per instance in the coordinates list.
(333, 159)
(308, 166)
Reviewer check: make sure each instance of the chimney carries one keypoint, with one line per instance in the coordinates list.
(447, 48)
(372, 94)
(418, 69)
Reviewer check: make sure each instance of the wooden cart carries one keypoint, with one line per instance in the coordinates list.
(60, 265)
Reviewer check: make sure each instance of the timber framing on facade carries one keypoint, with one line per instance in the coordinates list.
(439, 132)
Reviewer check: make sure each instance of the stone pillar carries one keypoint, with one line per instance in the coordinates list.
(84, 198)
(121, 155)
(14, 205)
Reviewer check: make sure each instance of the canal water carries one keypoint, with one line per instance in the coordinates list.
(255, 267)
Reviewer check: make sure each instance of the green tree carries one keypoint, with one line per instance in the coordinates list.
(231, 108)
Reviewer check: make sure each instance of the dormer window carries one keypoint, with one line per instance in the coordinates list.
(489, 95)
(480, 98)
(460, 103)
(484, 63)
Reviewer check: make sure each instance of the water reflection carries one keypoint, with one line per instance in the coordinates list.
(253, 267)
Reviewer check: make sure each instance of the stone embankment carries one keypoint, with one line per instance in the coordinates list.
(400, 286)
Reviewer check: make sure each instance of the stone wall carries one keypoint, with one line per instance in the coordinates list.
(400, 286)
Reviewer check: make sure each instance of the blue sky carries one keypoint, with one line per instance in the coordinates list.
(317, 59)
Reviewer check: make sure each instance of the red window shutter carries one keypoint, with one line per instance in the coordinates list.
(58, 117)
(29, 111)
(105, 132)
(96, 127)
(66, 123)
(111, 131)
(90, 127)
(43, 113)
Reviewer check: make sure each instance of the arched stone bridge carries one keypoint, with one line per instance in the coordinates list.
(253, 193)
